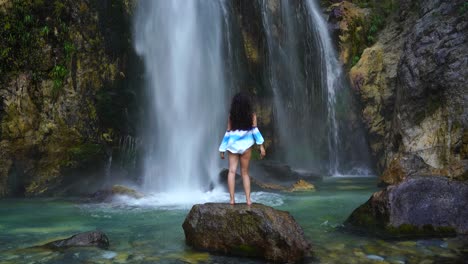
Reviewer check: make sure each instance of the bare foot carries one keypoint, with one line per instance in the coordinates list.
(232, 202)
(249, 203)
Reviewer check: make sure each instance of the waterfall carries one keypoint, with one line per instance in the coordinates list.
(333, 80)
(308, 87)
(182, 46)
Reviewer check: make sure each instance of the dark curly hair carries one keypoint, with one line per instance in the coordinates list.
(241, 113)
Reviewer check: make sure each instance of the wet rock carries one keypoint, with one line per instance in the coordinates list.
(403, 166)
(86, 239)
(106, 195)
(301, 186)
(375, 257)
(413, 92)
(419, 206)
(124, 190)
(278, 171)
(345, 20)
(266, 183)
(51, 97)
(253, 231)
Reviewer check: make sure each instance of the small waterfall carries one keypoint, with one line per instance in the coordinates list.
(308, 87)
(334, 80)
(182, 45)
(128, 146)
(108, 170)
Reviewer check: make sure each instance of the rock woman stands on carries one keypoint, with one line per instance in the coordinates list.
(242, 133)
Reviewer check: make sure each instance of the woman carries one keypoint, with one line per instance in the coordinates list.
(242, 133)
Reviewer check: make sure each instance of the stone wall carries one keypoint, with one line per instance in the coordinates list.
(57, 74)
(412, 83)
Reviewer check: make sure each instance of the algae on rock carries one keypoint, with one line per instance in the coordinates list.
(53, 63)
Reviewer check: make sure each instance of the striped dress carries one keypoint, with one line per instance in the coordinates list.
(238, 141)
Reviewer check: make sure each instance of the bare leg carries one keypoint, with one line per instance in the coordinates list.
(233, 161)
(245, 159)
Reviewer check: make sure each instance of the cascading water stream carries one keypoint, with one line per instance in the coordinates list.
(181, 43)
(304, 101)
(306, 79)
(333, 80)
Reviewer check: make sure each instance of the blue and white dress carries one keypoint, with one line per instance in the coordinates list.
(238, 141)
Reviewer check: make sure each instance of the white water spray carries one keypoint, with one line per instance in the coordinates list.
(181, 43)
(334, 78)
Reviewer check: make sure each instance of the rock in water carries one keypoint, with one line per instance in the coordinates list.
(419, 206)
(106, 195)
(253, 231)
(302, 186)
(86, 239)
(124, 190)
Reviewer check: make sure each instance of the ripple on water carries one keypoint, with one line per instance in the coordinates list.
(177, 201)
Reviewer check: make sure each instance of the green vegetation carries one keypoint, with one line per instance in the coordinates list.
(463, 8)
(27, 36)
(363, 30)
(85, 152)
(58, 74)
(355, 60)
(376, 24)
(246, 250)
(69, 49)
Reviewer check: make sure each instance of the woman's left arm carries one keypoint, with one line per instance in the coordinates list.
(258, 136)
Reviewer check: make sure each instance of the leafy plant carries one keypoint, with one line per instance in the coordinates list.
(58, 75)
(69, 50)
(463, 8)
(377, 22)
(45, 31)
(355, 60)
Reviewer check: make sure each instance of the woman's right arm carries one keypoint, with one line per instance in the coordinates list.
(221, 153)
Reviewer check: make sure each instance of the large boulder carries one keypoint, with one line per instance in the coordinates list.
(86, 239)
(253, 231)
(426, 206)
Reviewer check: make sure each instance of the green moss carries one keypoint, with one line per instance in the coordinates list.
(363, 217)
(355, 60)
(58, 74)
(85, 152)
(463, 8)
(69, 49)
(246, 250)
(363, 31)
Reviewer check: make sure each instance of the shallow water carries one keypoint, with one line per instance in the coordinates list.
(149, 231)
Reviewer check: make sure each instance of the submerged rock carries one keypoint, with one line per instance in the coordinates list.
(253, 231)
(419, 206)
(86, 239)
(124, 190)
(106, 195)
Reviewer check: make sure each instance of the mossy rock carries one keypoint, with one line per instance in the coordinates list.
(418, 207)
(302, 186)
(123, 190)
(253, 231)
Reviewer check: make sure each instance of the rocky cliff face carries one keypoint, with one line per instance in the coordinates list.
(412, 83)
(59, 72)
